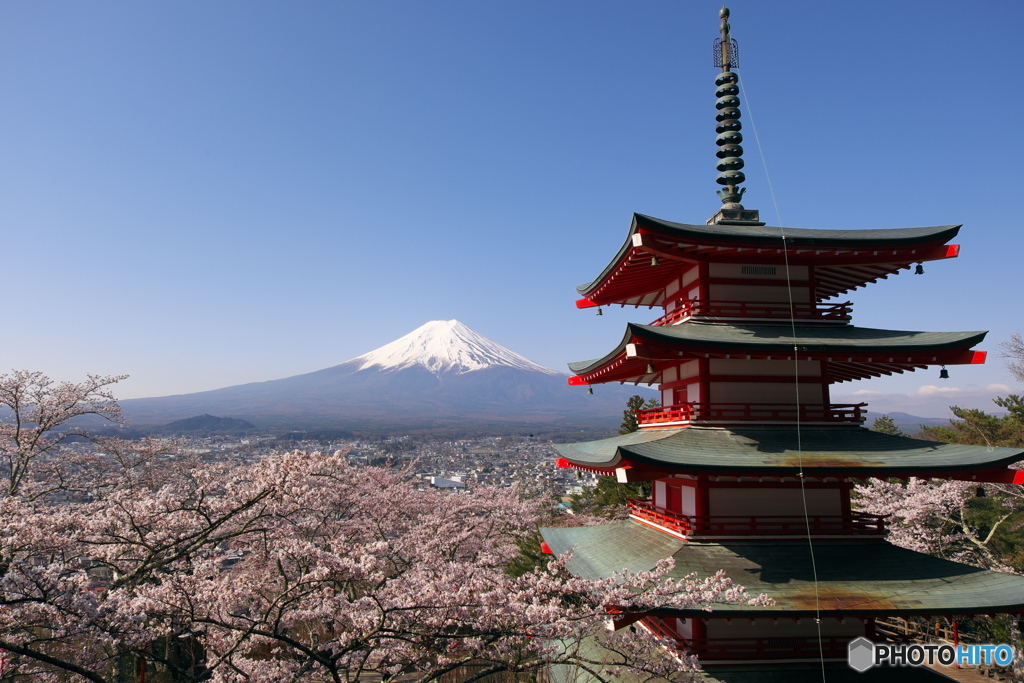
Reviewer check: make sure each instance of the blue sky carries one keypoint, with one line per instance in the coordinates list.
(202, 194)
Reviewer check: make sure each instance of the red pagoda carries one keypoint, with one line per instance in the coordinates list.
(751, 464)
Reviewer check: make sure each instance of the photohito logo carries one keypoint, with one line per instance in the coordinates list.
(864, 654)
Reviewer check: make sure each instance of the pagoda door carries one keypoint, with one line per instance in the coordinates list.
(675, 498)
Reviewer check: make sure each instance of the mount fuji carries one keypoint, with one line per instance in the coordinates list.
(443, 347)
(442, 374)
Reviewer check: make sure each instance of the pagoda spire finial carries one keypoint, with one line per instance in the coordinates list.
(730, 152)
(728, 105)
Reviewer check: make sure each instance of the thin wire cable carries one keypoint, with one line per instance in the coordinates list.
(757, 140)
(796, 387)
(800, 457)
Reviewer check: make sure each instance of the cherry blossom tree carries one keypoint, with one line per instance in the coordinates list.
(1013, 351)
(920, 511)
(35, 413)
(930, 516)
(304, 568)
(936, 517)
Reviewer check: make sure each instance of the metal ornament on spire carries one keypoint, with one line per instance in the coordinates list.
(728, 105)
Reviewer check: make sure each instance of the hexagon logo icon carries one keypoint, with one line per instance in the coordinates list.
(861, 654)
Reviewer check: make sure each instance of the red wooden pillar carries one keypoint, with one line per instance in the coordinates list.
(700, 634)
(844, 499)
(703, 286)
(956, 641)
(674, 495)
(704, 377)
(701, 505)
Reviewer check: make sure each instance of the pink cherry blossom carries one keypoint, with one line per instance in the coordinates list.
(303, 567)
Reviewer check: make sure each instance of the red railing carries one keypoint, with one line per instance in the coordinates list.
(659, 628)
(775, 310)
(856, 523)
(754, 648)
(685, 413)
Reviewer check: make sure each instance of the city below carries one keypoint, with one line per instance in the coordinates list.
(528, 461)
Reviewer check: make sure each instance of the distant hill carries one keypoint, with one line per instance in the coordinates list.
(441, 376)
(911, 424)
(207, 424)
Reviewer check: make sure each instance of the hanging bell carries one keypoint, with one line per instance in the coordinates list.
(919, 270)
(599, 312)
(650, 368)
(654, 261)
(943, 373)
(590, 390)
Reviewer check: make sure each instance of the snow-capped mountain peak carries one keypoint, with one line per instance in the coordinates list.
(445, 346)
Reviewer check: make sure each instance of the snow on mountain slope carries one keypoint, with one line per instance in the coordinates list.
(439, 376)
(443, 346)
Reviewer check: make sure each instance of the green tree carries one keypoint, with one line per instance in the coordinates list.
(978, 428)
(993, 520)
(989, 518)
(1014, 405)
(609, 496)
(633, 405)
(885, 425)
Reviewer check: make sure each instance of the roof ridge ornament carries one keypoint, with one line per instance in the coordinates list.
(730, 153)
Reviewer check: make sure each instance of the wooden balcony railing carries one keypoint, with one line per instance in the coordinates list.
(754, 648)
(686, 413)
(856, 523)
(772, 310)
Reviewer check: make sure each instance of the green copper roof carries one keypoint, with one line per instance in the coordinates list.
(854, 577)
(768, 235)
(776, 450)
(803, 237)
(837, 339)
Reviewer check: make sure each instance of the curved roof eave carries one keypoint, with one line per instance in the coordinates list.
(801, 236)
(584, 289)
(838, 339)
(767, 234)
(779, 451)
(884, 579)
